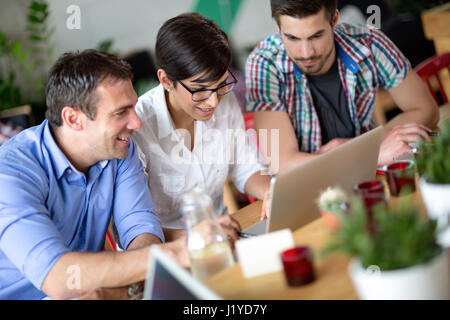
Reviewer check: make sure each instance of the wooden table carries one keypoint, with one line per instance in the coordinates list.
(332, 279)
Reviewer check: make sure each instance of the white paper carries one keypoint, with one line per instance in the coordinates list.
(261, 255)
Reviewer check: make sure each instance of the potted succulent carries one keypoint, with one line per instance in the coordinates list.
(433, 165)
(399, 260)
(332, 202)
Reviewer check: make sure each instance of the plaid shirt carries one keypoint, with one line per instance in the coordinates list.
(367, 60)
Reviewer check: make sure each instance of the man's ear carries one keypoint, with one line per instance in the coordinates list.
(335, 19)
(164, 79)
(72, 118)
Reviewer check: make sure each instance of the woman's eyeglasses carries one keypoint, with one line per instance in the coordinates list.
(204, 94)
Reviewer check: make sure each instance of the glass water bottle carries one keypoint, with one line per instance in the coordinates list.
(209, 249)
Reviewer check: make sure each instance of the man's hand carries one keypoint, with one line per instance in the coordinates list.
(396, 143)
(332, 144)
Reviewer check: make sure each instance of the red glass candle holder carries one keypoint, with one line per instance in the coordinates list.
(298, 266)
(400, 176)
(372, 192)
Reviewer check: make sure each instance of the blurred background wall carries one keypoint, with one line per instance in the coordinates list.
(34, 33)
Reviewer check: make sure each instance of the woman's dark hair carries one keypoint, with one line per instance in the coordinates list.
(189, 44)
(301, 8)
(74, 78)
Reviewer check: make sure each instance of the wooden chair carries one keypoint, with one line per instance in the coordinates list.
(22, 115)
(431, 68)
(429, 71)
(110, 239)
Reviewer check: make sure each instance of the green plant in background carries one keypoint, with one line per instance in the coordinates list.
(10, 51)
(402, 238)
(106, 46)
(141, 86)
(433, 158)
(25, 62)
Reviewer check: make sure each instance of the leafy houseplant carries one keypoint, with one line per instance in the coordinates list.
(433, 161)
(25, 62)
(433, 164)
(401, 239)
(402, 246)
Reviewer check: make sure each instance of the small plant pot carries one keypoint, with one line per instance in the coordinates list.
(426, 281)
(436, 198)
(331, 220)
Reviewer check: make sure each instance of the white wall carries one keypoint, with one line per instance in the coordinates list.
(133, 24)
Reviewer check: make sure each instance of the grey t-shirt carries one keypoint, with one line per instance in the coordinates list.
(331, 105)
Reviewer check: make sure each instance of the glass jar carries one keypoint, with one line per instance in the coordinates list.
(208, 246)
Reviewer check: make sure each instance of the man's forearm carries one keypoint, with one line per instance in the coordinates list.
(292, 160)
(77, 273)
(173, 234)
(143, 240)
(428, 119)
(416, 103)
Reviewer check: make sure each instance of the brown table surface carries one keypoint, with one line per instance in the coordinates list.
(332, 279)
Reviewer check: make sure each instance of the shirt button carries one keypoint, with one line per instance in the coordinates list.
(69, 171)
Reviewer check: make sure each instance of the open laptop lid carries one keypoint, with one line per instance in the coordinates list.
(166, 280)
(293, 193)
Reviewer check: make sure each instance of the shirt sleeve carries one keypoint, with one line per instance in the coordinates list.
(247, 162)
(392, 65)
(28, 236)
(264, 84)
(133, 208)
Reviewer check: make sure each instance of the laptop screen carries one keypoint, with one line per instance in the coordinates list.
(166, 286)
(166, 280)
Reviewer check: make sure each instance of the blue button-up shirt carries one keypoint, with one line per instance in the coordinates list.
(48, 208)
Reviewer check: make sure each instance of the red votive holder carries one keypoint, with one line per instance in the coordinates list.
(372, 192)
(298, 266)
(400, 176)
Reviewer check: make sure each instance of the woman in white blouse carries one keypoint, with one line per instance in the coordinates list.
(193, 130)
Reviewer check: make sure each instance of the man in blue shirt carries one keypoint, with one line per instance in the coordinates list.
(62, 181)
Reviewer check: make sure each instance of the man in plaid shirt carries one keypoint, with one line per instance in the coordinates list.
(316, 80)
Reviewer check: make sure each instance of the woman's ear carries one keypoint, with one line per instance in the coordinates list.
(164, 79)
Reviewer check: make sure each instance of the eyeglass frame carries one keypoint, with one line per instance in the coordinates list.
(211, 90)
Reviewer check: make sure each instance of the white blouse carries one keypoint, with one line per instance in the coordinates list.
(221, 148)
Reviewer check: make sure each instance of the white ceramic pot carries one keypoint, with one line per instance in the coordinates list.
(436, 198)
(426, 281)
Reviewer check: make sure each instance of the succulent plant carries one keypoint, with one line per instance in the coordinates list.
(333, 199)
(402, 237)
(433, 158)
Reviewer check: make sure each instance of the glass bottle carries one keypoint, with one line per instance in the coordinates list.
(209, 249)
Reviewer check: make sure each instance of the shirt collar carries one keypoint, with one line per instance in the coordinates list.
(348, 50)
(164, 120)
(59, 160)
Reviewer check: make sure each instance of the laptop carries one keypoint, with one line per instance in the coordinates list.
(293, 193)
(166, 280)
